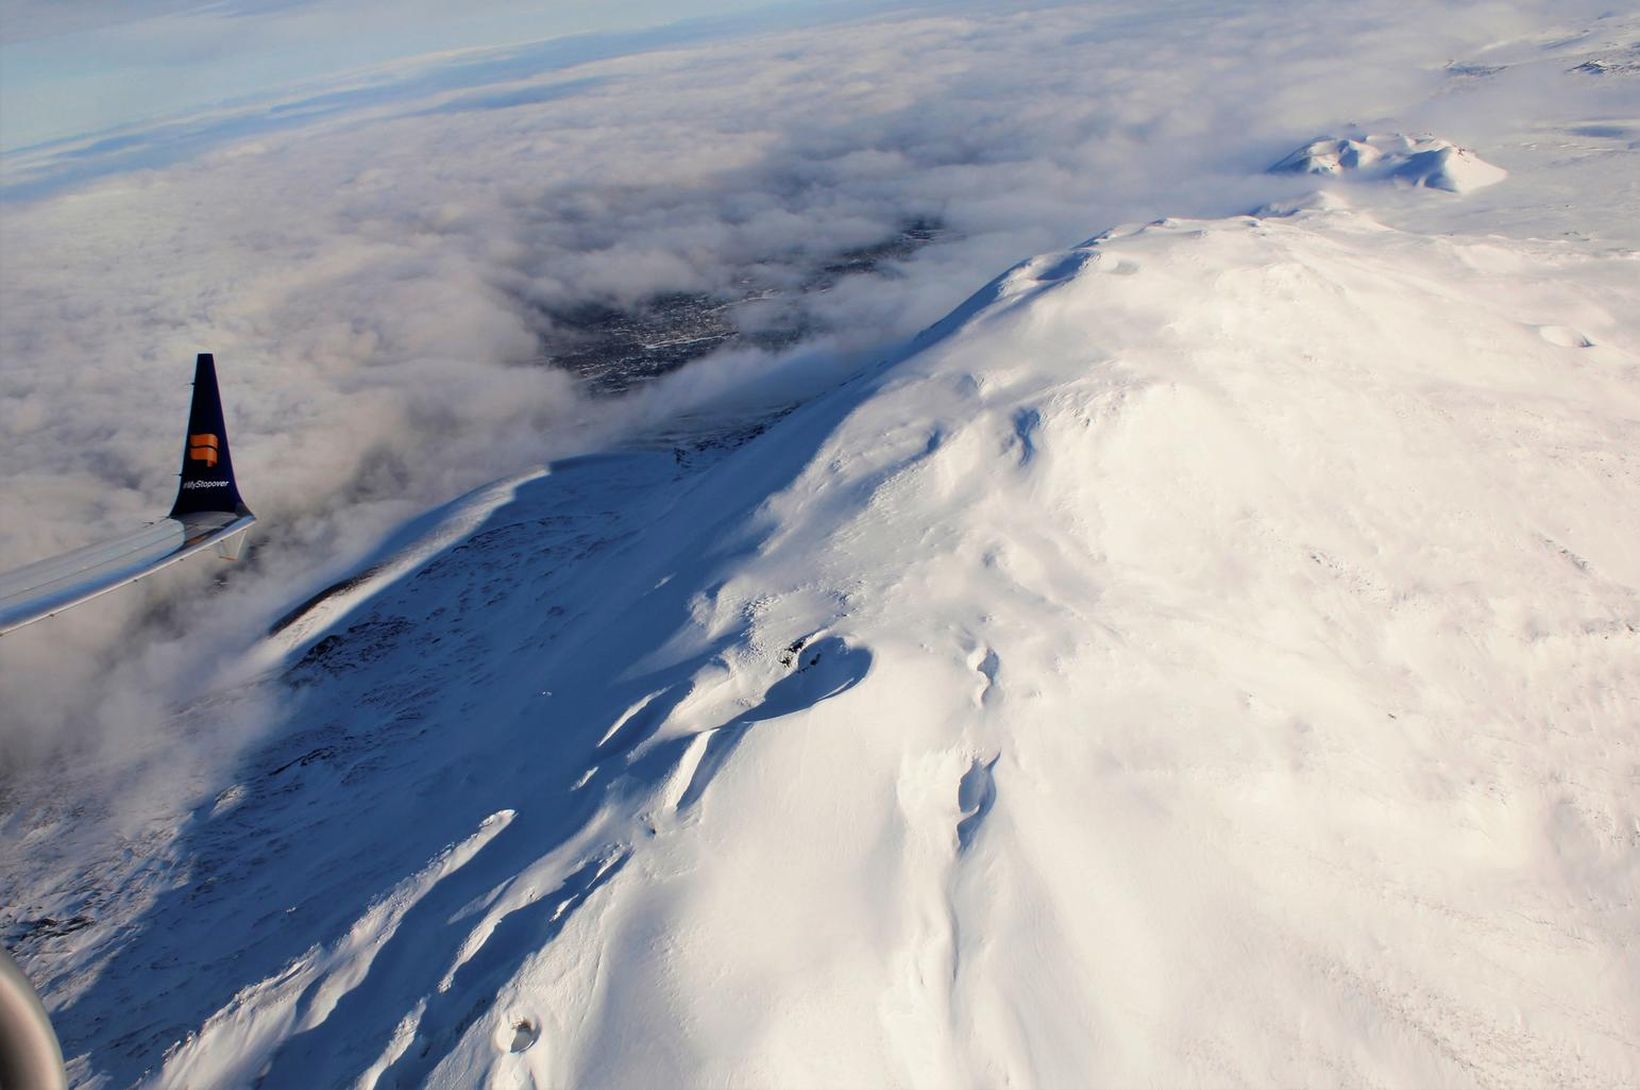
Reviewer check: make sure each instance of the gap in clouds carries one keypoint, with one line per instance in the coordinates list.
(615, 349)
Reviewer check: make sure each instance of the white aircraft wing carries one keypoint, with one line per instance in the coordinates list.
(51, 586)
(208, 511)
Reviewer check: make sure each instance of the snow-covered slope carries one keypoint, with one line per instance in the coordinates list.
(1210, 656)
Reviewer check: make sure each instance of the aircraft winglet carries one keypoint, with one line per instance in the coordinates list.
(208, 512)
(207, 468)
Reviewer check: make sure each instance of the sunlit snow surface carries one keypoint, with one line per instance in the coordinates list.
(1210, 656)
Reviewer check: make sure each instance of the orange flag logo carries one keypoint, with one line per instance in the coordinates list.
(202, 448)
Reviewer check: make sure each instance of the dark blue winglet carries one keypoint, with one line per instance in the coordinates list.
(207, 468)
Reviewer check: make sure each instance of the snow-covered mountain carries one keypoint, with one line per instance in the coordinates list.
(1210, 656)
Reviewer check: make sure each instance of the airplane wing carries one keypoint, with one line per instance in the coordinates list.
(208, 511)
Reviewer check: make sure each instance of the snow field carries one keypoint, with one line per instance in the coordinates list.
(1286, 601)
(1184, 698)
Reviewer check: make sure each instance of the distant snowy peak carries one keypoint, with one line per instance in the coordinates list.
(1423, 161)
(1614, 65)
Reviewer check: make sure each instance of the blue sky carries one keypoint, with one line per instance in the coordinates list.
(68, 70)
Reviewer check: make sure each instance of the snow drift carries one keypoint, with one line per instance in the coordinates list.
(1211, 655)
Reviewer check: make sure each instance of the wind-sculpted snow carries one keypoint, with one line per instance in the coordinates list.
(1210, 656)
